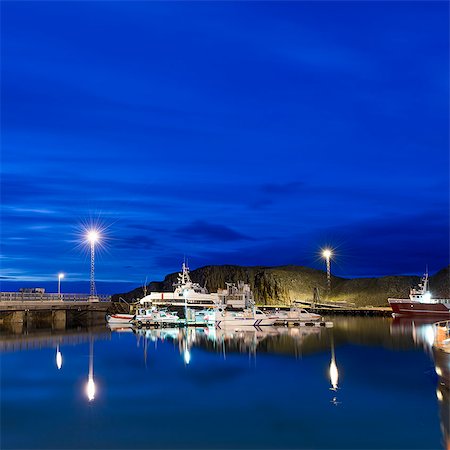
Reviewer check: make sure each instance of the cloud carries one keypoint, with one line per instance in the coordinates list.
(136, 242)
(214, 232)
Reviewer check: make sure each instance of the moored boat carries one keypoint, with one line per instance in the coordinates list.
(295, 315)
(420, 303)
(186, 292)
(119, 319)
(149, 316)
(245, 317)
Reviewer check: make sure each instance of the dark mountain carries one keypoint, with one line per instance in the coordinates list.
(282, 285)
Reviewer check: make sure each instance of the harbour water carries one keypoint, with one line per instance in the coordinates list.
(365, 383)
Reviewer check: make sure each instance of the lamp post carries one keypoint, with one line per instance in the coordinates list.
(93, 238)
(327, 254)
(60, 277)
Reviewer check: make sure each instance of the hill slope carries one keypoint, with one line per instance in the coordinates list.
(282, 285)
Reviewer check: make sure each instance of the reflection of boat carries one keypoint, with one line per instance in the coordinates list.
(298, 333)
(421, 330)
(121, 327)
(420, 302)
(295, 315)
(244, 317)
(120, 319)
(161, 334)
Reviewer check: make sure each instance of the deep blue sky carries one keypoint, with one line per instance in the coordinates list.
(229, 133)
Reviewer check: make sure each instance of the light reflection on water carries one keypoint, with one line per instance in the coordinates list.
(365, 383)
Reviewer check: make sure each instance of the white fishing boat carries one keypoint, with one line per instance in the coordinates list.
(119, 319)
(294, 315)
(245, 317)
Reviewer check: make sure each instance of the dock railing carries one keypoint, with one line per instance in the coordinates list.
(47, 297)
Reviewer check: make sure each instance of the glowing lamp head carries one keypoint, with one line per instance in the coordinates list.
(93, 236)
(327, 253)
(60, 275)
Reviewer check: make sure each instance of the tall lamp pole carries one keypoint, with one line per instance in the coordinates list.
(60, 276)
(327, 254)
(93, 238)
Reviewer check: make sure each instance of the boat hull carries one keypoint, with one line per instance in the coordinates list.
(295, 318)
(244, 322)
(119, 319)
(149, 320)
(411, 308)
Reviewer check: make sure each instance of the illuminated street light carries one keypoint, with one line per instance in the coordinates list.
(327, 254)
(93, 237)
(60, 276)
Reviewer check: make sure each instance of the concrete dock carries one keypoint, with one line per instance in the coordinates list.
(52, 309)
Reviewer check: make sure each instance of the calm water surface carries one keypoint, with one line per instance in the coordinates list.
(365, 383)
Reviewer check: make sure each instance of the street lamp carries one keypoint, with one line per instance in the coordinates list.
(327, 254)
(93, 237)
(60, 276)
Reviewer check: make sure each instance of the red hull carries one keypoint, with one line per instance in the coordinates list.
(409, 308)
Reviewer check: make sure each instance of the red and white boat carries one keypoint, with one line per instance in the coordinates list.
(420, 303)
(119, 319)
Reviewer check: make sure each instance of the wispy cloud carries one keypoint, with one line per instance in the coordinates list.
(200, 229)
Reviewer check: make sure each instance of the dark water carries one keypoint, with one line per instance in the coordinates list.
(215, 389)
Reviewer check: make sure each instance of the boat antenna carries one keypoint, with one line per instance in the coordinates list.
(144, 287)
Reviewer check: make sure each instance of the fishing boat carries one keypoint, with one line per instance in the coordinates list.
(420, 303)
(119, 319)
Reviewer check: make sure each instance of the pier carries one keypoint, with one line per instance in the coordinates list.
(52, 309)
(326, 309)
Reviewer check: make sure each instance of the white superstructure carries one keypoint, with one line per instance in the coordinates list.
(185, 292)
